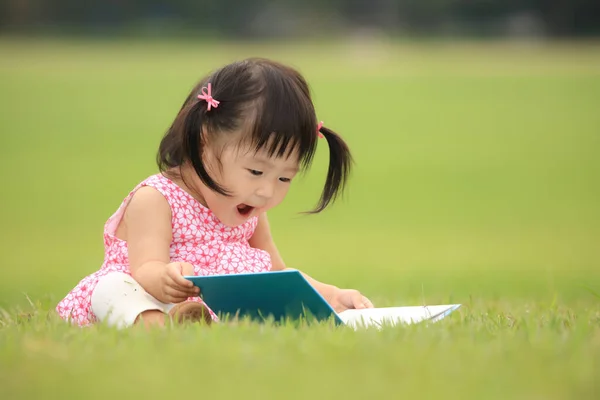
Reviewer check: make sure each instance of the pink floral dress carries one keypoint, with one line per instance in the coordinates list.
(199, 238)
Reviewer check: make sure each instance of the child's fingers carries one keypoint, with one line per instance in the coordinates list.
(192, 291)
(360, 301)
(367, 303)
(357, 302)
(176, 295)
(176, 274)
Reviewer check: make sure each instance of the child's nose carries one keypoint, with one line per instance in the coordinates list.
(266, 190)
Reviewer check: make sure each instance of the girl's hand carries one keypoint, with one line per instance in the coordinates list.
(175, 288)
(344, 299)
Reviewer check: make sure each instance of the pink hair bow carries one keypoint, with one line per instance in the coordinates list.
(319, 126)
(206, 95)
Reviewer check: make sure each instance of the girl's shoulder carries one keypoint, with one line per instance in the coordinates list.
(182, 205)
(176, 196)
(161, 183)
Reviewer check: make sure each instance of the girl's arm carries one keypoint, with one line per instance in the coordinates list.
(146, 226)
(262, 239)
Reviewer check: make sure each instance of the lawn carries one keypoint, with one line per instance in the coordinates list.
(476, 181)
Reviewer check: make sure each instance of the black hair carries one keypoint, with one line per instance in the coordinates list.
(274, 101)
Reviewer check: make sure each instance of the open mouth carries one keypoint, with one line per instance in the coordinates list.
(244, 209)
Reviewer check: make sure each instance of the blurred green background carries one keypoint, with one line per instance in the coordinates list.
(476, 137)
(476, 168)
(474, 127)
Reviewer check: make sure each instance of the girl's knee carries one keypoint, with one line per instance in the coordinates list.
(119, 300)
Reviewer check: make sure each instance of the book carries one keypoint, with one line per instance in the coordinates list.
(285, 295)
(391, 316)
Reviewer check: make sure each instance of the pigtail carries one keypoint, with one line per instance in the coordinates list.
(193, 145)
(170, 153)
(340, 161)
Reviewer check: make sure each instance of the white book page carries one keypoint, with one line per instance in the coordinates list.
(390, 316)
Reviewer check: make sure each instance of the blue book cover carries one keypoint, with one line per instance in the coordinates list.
(287, 295)
(277, 294)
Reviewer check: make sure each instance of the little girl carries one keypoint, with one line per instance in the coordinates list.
(240, 138)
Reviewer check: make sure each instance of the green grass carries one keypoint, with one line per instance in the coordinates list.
(476, 182)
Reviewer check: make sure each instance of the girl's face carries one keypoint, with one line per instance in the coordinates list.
(256, 182)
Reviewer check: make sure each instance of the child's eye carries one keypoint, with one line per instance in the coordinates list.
(285, 180)
(255, 172)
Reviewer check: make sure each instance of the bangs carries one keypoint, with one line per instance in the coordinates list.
(284, 120)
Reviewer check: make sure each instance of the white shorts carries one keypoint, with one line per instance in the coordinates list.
(118, 299)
